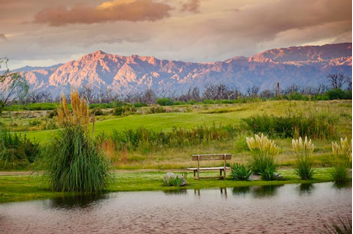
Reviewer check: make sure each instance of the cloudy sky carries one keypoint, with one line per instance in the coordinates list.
(46, 32)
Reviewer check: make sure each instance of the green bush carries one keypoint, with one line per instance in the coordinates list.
(97, 111)
(124, 110)
(139, 104)
(338, 94)
(75, 164)
(164, 101)
(16, 148)
(179, 103)
(240, 172)
(297, 96)
(156, 110)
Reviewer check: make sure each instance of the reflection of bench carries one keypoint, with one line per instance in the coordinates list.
(207, 157)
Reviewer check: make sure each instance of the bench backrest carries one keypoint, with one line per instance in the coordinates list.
(204, 157)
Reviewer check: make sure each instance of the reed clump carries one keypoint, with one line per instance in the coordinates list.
(304, 149)
(74, 163)
(264, 152)
(342, 159)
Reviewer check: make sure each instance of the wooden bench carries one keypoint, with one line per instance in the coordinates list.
(208, 157)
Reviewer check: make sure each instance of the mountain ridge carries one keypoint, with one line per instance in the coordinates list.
(302, 65)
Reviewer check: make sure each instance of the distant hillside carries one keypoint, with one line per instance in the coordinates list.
(304, 66)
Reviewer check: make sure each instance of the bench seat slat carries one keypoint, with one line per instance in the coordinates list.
(208, 168)
(206, 157)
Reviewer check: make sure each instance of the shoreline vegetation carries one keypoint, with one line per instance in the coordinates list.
(19, 187)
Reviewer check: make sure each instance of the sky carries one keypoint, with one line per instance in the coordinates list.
(47, 32)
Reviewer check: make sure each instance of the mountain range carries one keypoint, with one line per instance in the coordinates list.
(302, 65)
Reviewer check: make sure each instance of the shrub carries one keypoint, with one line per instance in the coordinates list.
(177, 180)
(156, 109)
(126, 109)
(139, 104)
(304, 163)
(74, 163)
(53, 114)
(240, 172)
(16, 148)
(338, 94)
(34, 123)
(164, 102)
(97, 111)
(264, 152)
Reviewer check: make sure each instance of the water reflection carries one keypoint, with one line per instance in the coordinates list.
(175, 192)
(241, 190)
(223, 192)
(80, 201)
(306, 189)
(156, 212)
(342, 185)
(265, 191)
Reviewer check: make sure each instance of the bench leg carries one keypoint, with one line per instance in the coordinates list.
(194, 174)
(220, 172)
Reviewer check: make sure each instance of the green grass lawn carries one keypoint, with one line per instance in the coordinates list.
(24, 187)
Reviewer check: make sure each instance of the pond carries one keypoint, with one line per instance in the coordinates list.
(294, 208)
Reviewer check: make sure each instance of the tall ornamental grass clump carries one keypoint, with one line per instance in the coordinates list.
(342, 159)
(264, 152)
(304, 163)
(74, 163)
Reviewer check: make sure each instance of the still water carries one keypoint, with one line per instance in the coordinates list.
(267, 209)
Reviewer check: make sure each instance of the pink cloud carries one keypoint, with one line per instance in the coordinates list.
(130, 10)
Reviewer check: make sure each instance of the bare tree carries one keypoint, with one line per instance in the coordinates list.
(253, 91)
(337, 80)
(267, 94)
(87, 92)
(41, 96)
(149, 97)
(349, 83)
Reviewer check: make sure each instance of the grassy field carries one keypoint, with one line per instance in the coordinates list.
(191, 116)
(24, 187)
(220, 114)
